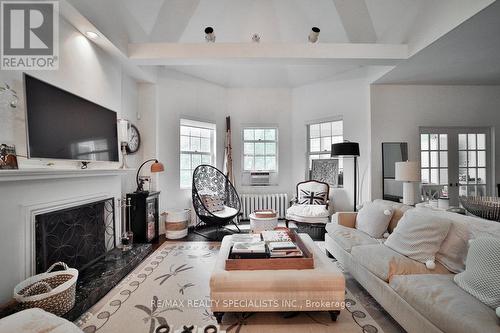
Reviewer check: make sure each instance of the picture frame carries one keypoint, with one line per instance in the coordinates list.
(8, 157)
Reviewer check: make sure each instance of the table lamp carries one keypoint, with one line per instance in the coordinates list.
(409, 173)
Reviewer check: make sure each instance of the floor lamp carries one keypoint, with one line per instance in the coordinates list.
(348, 149)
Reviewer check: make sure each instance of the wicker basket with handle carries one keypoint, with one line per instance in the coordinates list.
(51, 291)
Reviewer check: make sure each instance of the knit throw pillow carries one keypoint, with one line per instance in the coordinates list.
(212, 203)
(481, 277)
(419, 236)
(373, 219)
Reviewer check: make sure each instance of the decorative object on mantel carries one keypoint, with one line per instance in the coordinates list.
(348, 149)
(8, 96)
(155, 167)
(326, 171)
(409, 173)
(484, 207)
(8, 157)
(84, 165)
(123, 138)
(51, 291)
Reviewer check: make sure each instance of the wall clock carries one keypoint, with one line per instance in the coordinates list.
(134, 141)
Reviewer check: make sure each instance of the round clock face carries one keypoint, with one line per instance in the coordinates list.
(134, 141)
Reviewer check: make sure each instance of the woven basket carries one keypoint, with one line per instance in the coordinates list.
(51, 291)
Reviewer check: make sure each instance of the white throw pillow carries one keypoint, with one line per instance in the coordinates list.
(481, 277)
(419, 235)
(454, 248)
(373, 219)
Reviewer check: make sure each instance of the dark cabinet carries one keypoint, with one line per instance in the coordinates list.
(144, 217)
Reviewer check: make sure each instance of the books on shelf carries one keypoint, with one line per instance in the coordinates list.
(275, 236)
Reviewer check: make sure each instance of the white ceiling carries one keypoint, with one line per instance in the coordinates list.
(469, 54)
(276, 21)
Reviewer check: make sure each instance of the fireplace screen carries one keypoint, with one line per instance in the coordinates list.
(77, 236)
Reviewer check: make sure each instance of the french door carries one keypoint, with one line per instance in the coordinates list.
(457, 158)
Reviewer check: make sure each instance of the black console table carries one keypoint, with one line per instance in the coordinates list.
(144, 217)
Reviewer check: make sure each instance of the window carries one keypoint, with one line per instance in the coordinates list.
(320, 137)
(434, 160)
(197, 146)
(260, 149)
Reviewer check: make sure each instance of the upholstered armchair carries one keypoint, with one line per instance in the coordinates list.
(309, 208)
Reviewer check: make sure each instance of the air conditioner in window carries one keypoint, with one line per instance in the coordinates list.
(257, 178)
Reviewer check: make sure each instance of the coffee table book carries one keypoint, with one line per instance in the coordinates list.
(304, 262)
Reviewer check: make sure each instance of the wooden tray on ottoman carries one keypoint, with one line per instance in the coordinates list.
(305, 262)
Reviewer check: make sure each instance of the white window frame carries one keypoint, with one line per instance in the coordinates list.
(212, 153)
(243, 141)
(310, 153)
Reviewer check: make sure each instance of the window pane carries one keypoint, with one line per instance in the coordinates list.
(195, 131)
(424, 158)
(248, 148)
(481, 191)
(424, 141)
(206, 159)
(481, 158)
(185, 143)
(425, 176)
(443, 141)
(185, 180)
(443, 176)
(260, 163)
(462, 141)
(270, 134)
(472, 175)
(463, 190)
(248, 160)
(185, 130)
(471, 141)
(337, 128)
(315, 145)
(481, 141)
(205, 145)
(270, 148)
(195, 144)
(205, 133)
(471, 190)
(434, 141)
(314, 131)
(462, 158)
(472, 158)
(260, 134)
(326, 129)
(185, 161)
(443, 159)
(434, 159)
(326, 144)
(434, 176)
(248, 134)
(260, 148)
(481, 176)
(337, 139)
(462, 175)
(270, 162)
(195, 160)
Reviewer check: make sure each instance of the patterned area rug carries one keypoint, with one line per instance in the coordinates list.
(172, 287)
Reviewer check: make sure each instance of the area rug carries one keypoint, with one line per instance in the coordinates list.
(172, 287)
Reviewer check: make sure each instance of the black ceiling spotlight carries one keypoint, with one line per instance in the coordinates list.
(314, 34)
(209, 35)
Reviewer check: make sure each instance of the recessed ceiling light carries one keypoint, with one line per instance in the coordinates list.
(91, 34)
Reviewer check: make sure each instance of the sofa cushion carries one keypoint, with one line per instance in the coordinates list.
(308, 211)
(481, 277)
(444, 304)
(398, 211)
(373, 219)
(385, 262)
(348, 237)
(419, 235)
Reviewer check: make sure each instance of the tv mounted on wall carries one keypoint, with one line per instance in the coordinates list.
(61, 125)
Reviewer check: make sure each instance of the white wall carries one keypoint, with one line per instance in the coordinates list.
(349, 100)
(399, 110)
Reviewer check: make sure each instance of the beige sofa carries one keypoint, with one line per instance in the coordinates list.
(420, 300)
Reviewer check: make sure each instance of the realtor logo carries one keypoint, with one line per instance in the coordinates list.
(30, 35)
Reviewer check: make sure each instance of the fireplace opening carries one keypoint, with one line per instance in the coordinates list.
(78, 236)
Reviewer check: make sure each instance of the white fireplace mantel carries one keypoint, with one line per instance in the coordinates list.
(36, 174)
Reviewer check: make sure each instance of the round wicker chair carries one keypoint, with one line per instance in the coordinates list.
(208, 181)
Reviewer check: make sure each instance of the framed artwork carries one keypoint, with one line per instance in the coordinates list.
(8, 159)
(325, 171)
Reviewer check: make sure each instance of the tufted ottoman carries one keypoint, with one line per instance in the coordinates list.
(319, 289)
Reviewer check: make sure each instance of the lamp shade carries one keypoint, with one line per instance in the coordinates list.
(157, 167)
(345, 149)
(408, 171)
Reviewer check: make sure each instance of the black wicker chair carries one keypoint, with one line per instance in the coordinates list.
(208, 180)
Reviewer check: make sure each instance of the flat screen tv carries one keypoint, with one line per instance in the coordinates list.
(61, 125)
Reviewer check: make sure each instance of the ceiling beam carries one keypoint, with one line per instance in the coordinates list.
(356, 20)
(175, 54)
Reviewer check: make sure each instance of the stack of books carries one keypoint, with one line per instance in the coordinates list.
(248, 247)
(286, 249)
(275, 236)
